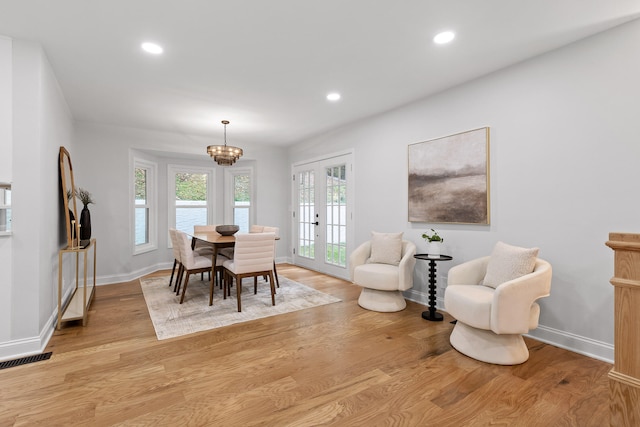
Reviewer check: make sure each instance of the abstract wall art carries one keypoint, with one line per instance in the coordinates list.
(449, 179)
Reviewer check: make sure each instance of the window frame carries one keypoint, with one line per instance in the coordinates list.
(229, 191)
(172, 169)
(5, 226)
(152, 205)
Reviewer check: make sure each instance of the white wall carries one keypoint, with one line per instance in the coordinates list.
(6, 175)
(564, 173)
(102, 166)
(6, 149)
(41, 122)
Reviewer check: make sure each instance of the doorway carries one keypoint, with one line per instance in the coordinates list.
(323, 214)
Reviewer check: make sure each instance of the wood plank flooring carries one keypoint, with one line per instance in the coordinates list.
(336, 364)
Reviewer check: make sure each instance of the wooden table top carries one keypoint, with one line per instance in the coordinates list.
(214, 237)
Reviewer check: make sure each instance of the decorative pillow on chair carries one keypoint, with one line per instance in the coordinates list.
(509, 262)
(386, 248)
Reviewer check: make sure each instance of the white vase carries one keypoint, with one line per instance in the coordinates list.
(434, 249)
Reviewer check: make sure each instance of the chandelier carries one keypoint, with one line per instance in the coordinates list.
(224, 155)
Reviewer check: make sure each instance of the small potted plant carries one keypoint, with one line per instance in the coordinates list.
(434, 242)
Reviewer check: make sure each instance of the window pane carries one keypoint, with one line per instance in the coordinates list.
(242, 189)
(241, 219)
(142, 229)
(191, 187)
(186, 218)
(5, 219)
(5, 209)
(141, 186)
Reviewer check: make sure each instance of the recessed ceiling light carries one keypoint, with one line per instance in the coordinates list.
(152, 48)
(333, 96)
(444, 37)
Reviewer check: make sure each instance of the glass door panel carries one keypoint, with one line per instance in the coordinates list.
(322, 223)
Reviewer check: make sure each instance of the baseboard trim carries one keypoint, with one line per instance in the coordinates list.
(15, 349)
(119, 278)
(576, 343)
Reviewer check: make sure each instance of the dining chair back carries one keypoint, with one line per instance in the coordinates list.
(202, 247)
(276, 231)
(226, 252)
(191, 261)
(176, 258)
(253, 257)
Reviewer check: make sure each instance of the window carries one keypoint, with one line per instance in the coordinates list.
(240, 203)
(144, 214)
(190, 190)
(5, 208)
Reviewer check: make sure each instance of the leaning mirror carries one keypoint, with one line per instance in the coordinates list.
(68, 190)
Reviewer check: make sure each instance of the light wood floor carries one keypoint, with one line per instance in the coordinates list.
(332, 365)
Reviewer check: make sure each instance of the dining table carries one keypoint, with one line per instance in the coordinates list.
(218, 241)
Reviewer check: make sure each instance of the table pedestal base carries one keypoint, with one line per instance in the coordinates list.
(433, 316)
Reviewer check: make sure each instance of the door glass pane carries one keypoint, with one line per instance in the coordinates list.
(306, 233)
(336, 205)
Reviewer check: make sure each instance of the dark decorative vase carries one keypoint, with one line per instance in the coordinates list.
(85, 223)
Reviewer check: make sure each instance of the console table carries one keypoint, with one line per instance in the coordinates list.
(78, 305)
(432, 314)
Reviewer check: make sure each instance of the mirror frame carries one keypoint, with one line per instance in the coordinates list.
(67, 184)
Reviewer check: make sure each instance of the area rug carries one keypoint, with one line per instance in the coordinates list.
(172, 319)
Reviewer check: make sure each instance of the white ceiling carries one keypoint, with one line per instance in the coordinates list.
(266, 66)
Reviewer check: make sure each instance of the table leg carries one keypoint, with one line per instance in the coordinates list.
(432, 314)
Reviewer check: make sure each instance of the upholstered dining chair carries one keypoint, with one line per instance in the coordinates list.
(276, 231)
(493, 299)
(226, 252)
(383, 267)
(253, 257)
(191, 261)
(176, 258)
(201, 246)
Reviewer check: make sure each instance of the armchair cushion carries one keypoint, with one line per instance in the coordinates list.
(386, 248)
(379, 276)
(509, 262)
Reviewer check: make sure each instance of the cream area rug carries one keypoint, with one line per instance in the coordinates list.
(172, 319)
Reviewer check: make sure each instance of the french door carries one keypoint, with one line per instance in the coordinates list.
(323, 214)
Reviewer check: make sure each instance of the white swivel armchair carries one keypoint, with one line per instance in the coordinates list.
(493, 314)
(383, 267)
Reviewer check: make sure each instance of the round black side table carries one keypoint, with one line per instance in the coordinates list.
(432, 314)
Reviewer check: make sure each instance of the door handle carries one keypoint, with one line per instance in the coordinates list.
(317, 223)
